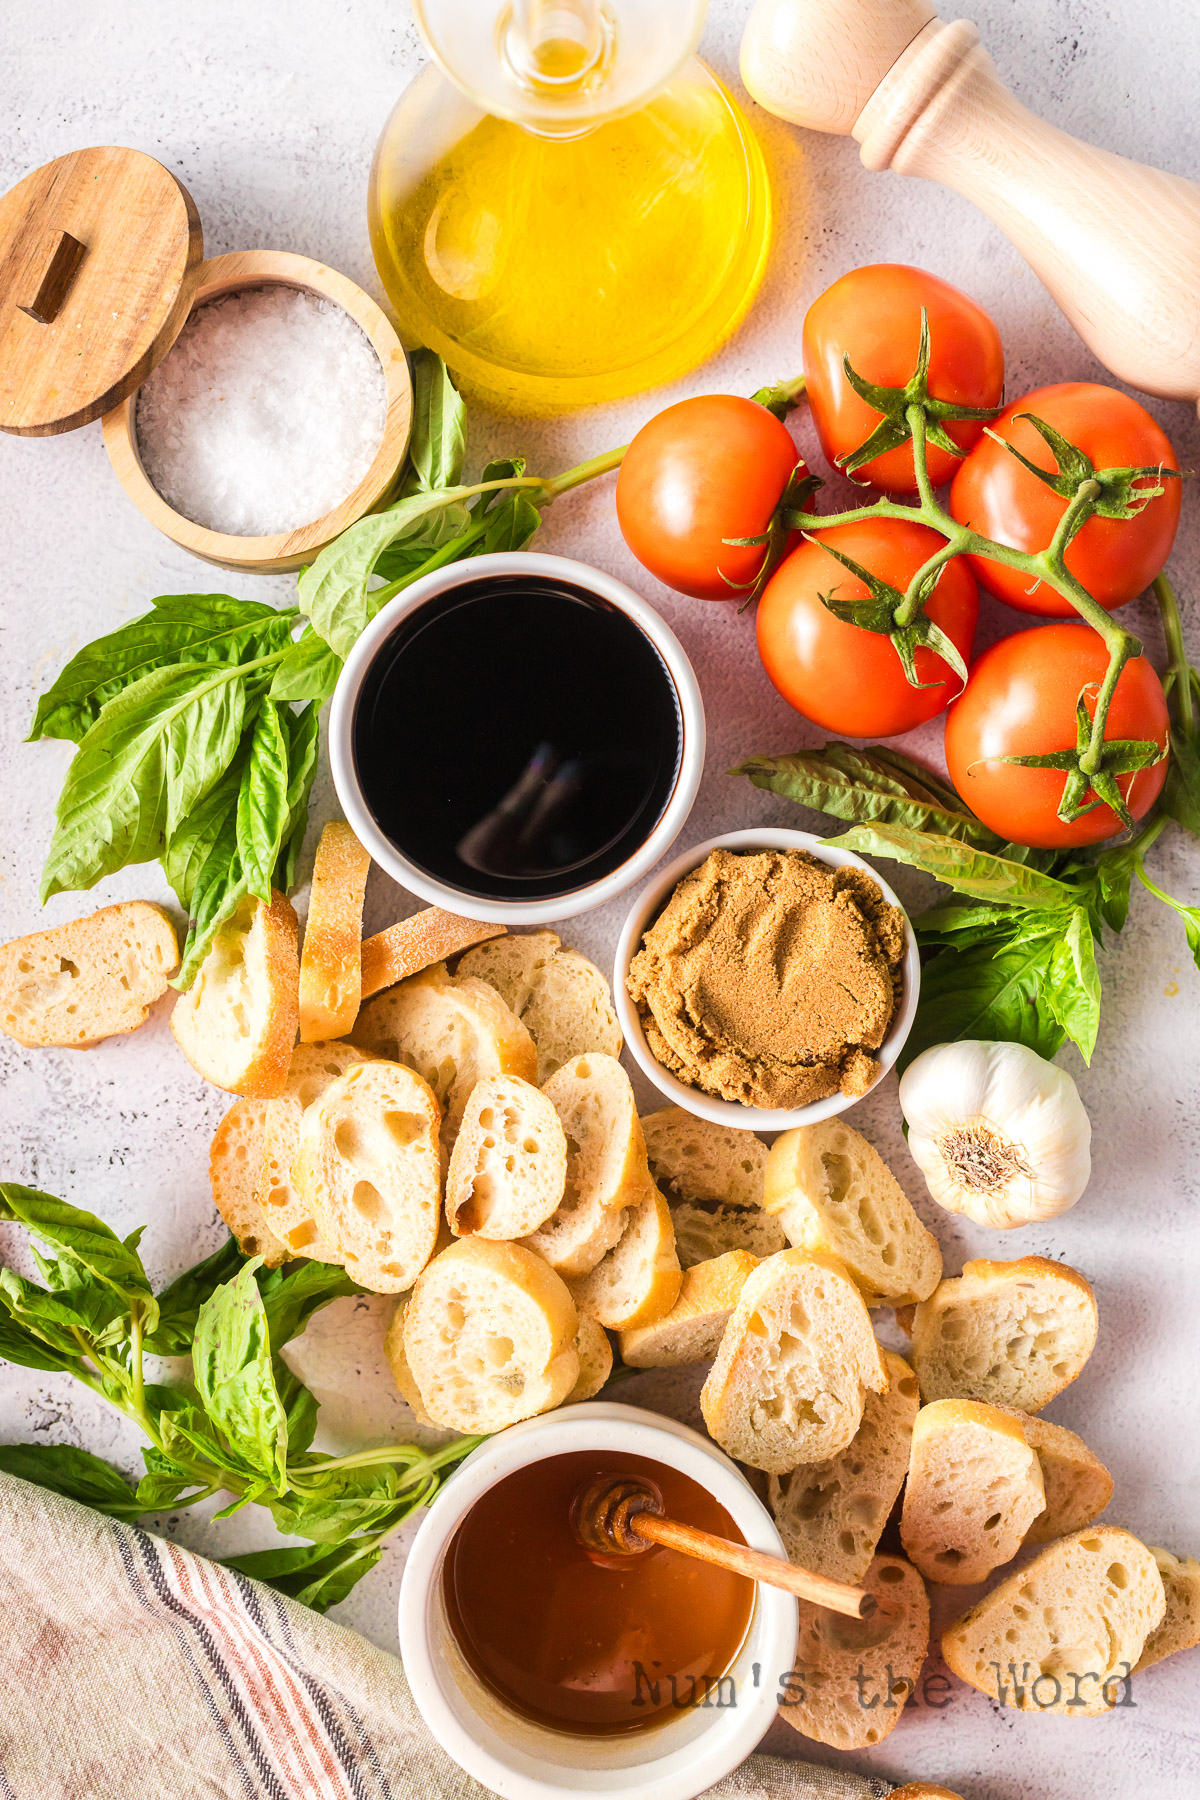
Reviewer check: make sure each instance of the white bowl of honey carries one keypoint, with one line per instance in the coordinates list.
(546, 1671)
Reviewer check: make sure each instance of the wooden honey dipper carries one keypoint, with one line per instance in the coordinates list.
(619, 1515)
(1116, 243)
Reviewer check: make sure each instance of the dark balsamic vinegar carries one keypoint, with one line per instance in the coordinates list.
(517, 737)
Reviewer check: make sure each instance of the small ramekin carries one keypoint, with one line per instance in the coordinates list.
(731, 1112)
(552, 906)
(511, 1755)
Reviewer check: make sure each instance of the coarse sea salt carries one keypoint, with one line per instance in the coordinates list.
(265, 415)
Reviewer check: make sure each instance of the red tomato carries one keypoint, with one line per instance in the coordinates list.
(848, 680)
(873, 316)
(699, 473)
(1113, 558)
(1020, 701)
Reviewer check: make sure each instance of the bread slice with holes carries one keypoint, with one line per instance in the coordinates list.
(453, 1030)
(508, 1169)
(832, 1191)
(1011, 1333)
(606, 1163)
(831, 1514)
(416, 943)
(796, 1361)
(235, 1162)
(237, 1022)
(289, 1213)
(1179, 1628)
(1061, 1633)
(98, 977)
(489, 1336)
(638, 1280)
(594, 1349)
(560, 997)
(692, 1331)
(712, 1178)
(402, 1375)
(974, 1488)
(853, 1676)
(331, 959)
(1078, 1486)
(367, 1164)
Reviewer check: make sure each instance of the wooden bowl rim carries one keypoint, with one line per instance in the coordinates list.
(289, 549)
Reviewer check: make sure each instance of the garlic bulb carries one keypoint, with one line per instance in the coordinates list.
(998, 1132)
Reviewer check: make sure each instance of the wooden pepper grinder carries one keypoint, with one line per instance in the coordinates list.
(1117, 244)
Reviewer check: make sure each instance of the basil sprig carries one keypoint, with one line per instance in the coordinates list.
(196, 724)
(242, 1425)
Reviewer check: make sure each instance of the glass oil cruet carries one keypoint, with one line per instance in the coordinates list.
(566, 203)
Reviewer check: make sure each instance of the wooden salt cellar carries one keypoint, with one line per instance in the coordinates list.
(100, 266)
(1117, 244)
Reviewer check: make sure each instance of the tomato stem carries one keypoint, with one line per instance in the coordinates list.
(1178, 668)
(555, 485)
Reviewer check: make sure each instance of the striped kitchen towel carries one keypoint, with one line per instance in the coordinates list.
(134, 1670)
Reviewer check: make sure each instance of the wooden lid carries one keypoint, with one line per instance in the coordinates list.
(99, 259)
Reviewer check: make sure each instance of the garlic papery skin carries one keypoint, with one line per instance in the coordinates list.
(998, 1132)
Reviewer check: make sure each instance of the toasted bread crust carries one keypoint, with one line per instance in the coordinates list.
(331, 959)
(1009, 1301)
(417, 943)
(234, 1162)
(638, 1281)
(691, 1331)
(843, 1665)
(259, 1070)
(93, 978)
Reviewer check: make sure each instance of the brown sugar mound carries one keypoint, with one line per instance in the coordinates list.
(769, 978)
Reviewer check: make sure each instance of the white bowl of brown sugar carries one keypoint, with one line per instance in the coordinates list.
(765, 979)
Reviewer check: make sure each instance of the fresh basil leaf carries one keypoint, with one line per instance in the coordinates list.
(1072, 988)
(300, 1408)
(511, 526)
(990, 991)
(194, 628)
(1190, 915)
(959, 926)
(155, 750)
(439, 426)
(49, 1316)
(231, 1364)
(84, 1240)
(863, 786)
(78, 1474)
(310, 1573)
(166, 1482)
(303, 732)
(188, 1436)
(263, 812)
(309, 670)
(333, 589)
(348, 1500)
(179, 1304)
(290, 1296)
(18, 1344)
(1181, 791)
(961, 866)
(203, 866)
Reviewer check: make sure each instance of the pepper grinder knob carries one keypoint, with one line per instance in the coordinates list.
(1116, 243)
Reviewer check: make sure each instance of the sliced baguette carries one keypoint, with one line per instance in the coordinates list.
(797, 1358)
(312, 1069)
(234, 1165)
(416, 943)
(712, 1177)
(855, 1675)
(367, 1164)
(831, 1514)
(638, 1280)
(237, 1022)
(606, 1163)
(1179, 1628)
(489, 1336)
(1078, 1486)
(974, 1488)
(1072, 1624)
(95, 978)
(1012, 1333)
(453, 1031)
(692, 1331)
(508, 1168)
(923, 1790)
(832, 1191)
(562, 999)
(594, 1349)
(402, 1375)
(331, 959)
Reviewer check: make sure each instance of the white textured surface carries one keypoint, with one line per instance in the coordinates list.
(269, 113)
